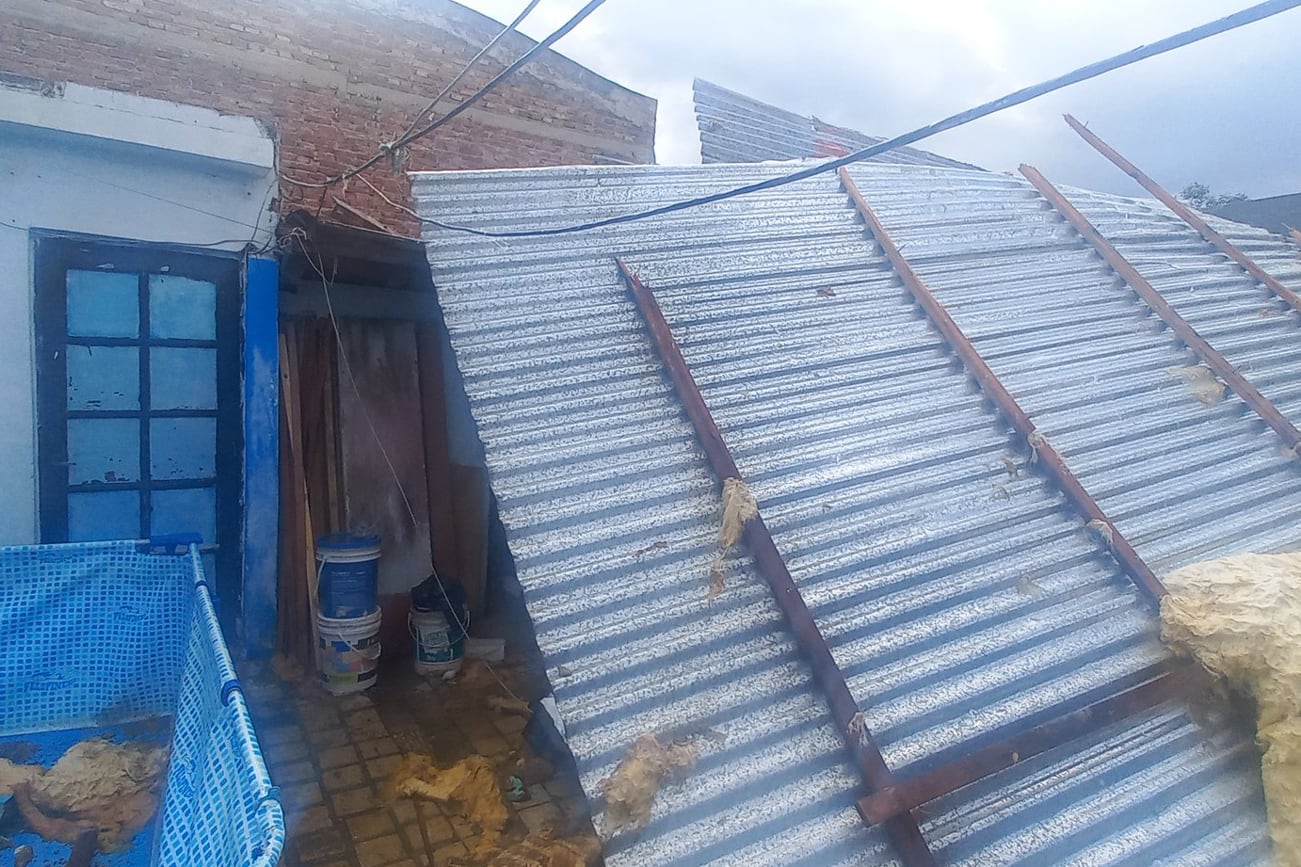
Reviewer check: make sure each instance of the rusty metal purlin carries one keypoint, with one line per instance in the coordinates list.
(902, 828)
(1184, 330)
(1045, 454)
(1189, 216)
(987, 761)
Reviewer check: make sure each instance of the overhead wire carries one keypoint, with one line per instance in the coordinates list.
(460, 76)
(1093, 70)
(393, 147)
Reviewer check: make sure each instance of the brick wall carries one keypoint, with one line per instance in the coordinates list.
(333, 79)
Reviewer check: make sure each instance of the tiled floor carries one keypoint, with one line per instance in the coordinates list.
(333, 758)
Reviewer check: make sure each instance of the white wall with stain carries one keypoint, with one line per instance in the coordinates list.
(76, 160)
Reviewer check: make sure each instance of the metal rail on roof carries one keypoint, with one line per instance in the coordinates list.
(988, 760)
(1208, 354)
(1189, 216)
(1045, 454)
(902, 827)
(1153, 687)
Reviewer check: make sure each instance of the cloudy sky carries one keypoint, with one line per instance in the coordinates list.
(1226, 112)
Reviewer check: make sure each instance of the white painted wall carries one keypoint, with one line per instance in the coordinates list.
(80, 160)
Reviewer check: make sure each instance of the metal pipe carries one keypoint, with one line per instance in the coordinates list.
(1045, 454)
(902, 829)
(1061, 730)
(1221, 243)
(1184, 330)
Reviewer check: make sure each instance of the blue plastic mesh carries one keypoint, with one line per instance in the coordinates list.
(94, 634)
(103, 631)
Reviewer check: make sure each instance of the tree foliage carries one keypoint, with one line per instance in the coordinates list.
(1200, 196)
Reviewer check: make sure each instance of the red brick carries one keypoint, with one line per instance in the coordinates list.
(322, 129)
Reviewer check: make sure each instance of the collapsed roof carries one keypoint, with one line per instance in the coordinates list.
(961, 594)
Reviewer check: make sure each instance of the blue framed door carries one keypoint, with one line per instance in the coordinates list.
(138, 396)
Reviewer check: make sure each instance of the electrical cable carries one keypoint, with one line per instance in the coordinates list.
(319, 268)
(1025, 94)
(465, 105)
(442, 94)
(523, 60)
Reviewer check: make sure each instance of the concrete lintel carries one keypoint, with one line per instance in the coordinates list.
(123, 117)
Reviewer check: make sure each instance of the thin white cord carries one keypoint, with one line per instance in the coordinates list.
(319, 268)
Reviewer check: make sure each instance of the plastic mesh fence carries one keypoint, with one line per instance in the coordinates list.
(94, 634)
(102, 632)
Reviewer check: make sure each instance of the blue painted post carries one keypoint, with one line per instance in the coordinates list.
(261, 518)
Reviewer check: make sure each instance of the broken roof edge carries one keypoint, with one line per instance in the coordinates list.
(763, 129)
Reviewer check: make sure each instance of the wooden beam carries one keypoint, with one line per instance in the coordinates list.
(1188, 215)
(902, 829)
(443, 539)
(1184, 330)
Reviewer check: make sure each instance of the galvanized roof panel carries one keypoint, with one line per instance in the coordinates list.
(957, 591)
(740, 129)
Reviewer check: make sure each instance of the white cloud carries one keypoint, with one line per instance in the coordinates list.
(1225, 112)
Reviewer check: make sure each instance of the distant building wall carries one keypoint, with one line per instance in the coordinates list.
(334, 79)
(1277, 213)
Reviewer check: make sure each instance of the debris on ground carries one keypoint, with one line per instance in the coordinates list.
(631, 789)
(13, 775)
(23, 856)
(287, 669)
(512, 706)
(739, 508)
(1201, 382)
(478, 674)
(1241, 618)
(97, 783)
(546, 849)
(471, 784)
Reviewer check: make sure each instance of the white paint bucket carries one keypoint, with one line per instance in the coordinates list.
(349, 652)
(439, 645)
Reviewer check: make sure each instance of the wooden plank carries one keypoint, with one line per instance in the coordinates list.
(383, 446)
(294, 623)
(438, 466)
(472, 506)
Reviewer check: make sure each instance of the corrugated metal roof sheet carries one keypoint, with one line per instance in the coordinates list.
(735, 128)
(960, 597)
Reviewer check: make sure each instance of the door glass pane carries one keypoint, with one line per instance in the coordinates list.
(103, 450)
(103, 377)
(182, 378)
(103, 304)
(190, 510)
(182, 308)
(183, 448)
(97, 515)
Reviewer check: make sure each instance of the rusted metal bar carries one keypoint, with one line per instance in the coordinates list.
(902, 828)
(1184, 330)
(1188, 215)
(1045, 454)
(989, 760)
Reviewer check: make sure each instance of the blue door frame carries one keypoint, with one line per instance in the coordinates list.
(157, 407)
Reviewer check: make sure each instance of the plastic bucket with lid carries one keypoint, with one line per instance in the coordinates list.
(347, 574)
(349, 652)
(439, 644)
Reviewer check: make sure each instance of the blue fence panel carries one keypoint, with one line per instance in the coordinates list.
(100, 632)
(93, 634)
